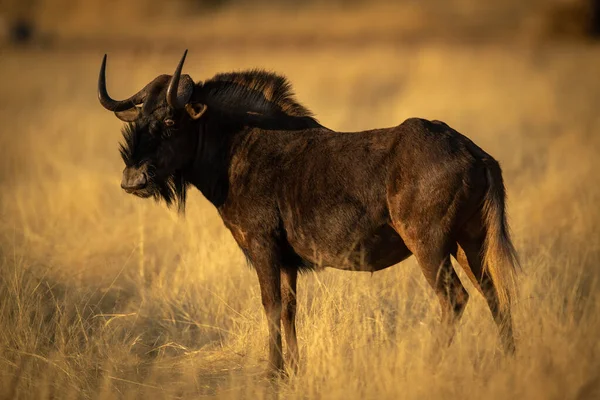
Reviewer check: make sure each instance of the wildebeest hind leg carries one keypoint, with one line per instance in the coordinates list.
(451, 293)
(433, 257)
(469, 257)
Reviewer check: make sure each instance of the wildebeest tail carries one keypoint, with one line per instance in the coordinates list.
(500, 257)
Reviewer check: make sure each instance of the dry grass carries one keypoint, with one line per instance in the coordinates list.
(104, 295)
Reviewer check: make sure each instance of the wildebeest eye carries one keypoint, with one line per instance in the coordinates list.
(169, 122)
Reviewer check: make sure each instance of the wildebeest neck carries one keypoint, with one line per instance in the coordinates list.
(208, 171)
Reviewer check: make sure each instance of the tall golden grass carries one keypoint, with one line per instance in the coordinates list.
(104, 295)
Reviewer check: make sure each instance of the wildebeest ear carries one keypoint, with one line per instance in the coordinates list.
(129, 115)
(195, 110)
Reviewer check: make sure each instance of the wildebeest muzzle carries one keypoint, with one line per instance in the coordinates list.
(135, 179)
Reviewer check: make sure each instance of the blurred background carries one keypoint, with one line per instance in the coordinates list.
(238, 23)
(104, 295)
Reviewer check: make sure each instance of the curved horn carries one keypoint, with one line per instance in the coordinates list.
(108, 102)
(174, 85)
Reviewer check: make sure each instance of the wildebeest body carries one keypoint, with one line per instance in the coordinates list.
(297, 196)
(327, 195)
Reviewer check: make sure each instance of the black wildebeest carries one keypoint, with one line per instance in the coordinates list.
(296, 195)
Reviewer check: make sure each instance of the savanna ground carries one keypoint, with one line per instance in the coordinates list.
(104, 295)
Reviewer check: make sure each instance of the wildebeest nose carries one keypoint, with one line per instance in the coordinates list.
(134, 179)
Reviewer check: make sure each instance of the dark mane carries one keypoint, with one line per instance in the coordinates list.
(255, 92)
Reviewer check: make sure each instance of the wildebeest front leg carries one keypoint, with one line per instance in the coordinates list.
(288, 296)
(268, 270)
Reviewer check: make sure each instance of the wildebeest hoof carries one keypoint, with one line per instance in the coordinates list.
(276, 375)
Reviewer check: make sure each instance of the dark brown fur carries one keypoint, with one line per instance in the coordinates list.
(297, 196)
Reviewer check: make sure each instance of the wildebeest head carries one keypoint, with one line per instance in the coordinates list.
(160, 139)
